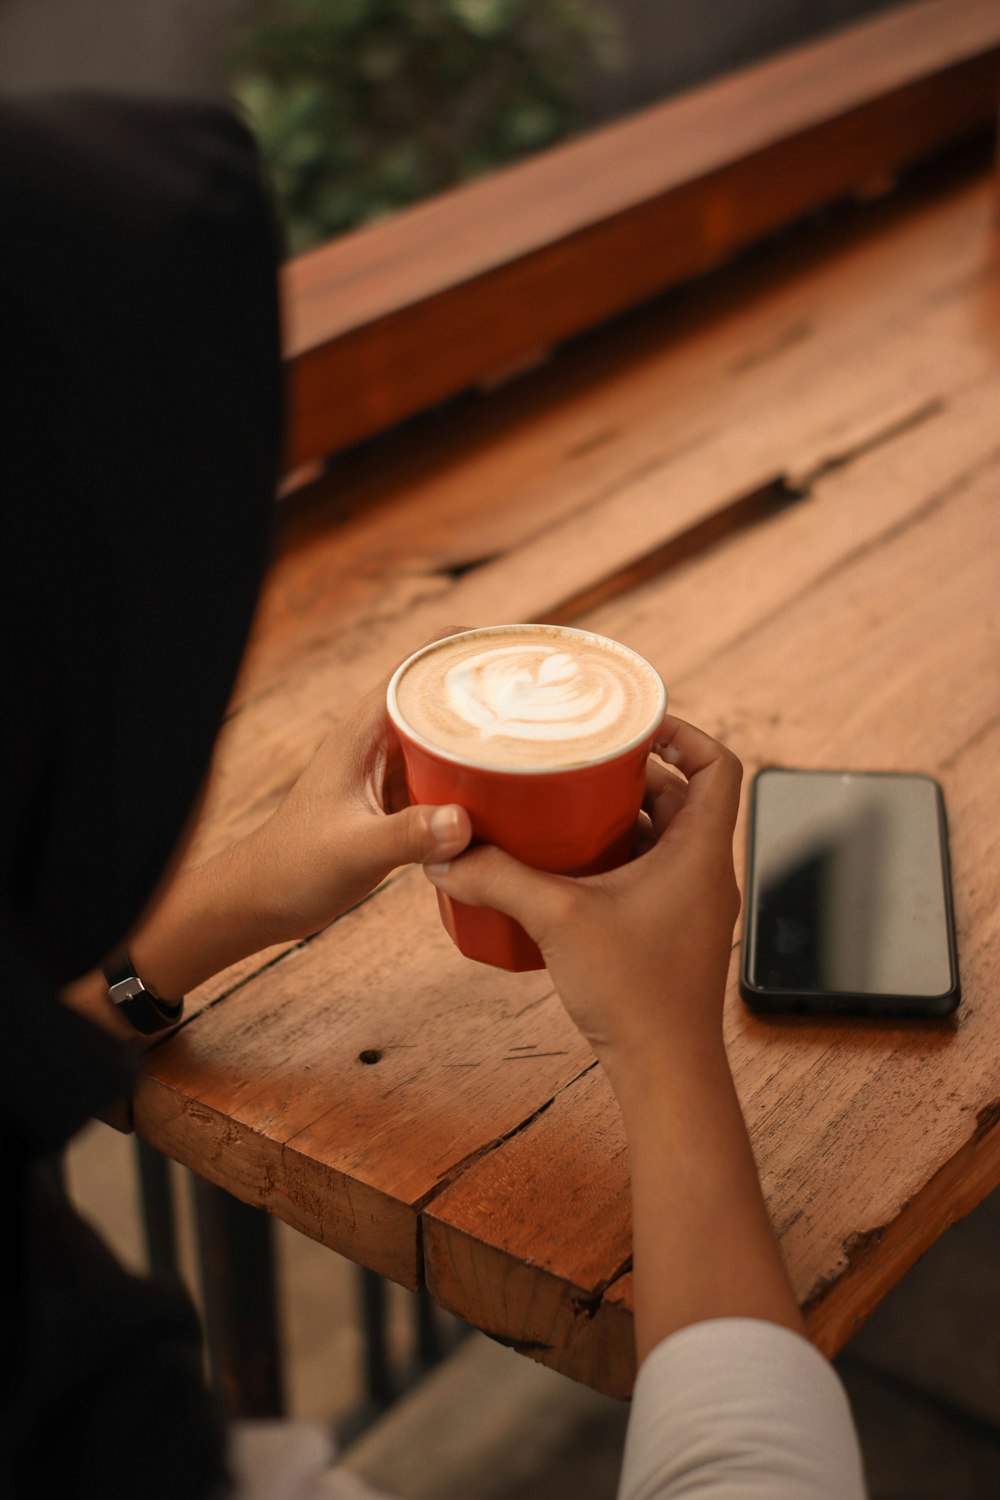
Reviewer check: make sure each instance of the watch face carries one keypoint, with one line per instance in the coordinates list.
(127, 989)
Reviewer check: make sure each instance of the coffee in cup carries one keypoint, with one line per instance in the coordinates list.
(541, 732)
(534, 698)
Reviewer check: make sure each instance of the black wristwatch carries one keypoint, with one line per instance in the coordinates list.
(140, 1005)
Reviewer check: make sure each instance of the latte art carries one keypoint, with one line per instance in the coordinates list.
(534, 693)
(523, 697)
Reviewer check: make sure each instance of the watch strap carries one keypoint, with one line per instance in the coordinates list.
(140, 1005)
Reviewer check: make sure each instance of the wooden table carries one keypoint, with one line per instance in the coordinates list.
(783, 487)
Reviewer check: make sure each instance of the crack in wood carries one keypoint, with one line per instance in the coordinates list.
(531, 1005)
(987, 1119)
(787, 339)
(455, 1171)
(739, 514)
(521, 1346)
(588, 1304)
(858, 1249)
(461, 569)
(561, 524)
(747, 510)
(803, 484)
(849, 561)
(530, 1056)
(278, 958)
(239, 984)
(934, 502)
(591, 444)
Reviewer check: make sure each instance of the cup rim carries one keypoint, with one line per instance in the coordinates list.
(403, 726)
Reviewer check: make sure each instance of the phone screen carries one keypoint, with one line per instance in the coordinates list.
(849, 900)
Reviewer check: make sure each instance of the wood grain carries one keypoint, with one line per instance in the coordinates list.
(703, 423)
(855, 626)
(386, 531)
(523, 259)
(269, 1094)
(886, 656)
(539, 1228)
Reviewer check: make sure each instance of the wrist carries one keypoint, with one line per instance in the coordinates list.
(262, 867)
(677, 1064)
(144, 1009)
(88, 996)
(206, 920)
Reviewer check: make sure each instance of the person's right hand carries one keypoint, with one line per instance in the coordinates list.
(639, 955)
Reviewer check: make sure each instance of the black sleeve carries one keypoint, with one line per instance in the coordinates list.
(139, 450)
(139, 326)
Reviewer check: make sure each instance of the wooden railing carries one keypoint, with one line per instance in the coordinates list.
(391, 319)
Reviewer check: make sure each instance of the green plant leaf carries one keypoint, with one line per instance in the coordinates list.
(361, 106)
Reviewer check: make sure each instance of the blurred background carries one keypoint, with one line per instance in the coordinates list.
(364, 106)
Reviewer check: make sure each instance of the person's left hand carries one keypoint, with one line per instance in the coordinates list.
(343, 826)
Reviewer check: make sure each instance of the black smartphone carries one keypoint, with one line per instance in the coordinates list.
(848, 905)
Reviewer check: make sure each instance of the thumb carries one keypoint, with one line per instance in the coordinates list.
(489, 877)
(421, 834)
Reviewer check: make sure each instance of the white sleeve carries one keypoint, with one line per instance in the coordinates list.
(739, 1409)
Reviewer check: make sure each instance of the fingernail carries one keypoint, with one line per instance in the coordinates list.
(437, 872)
(671, 755)
(444, 825)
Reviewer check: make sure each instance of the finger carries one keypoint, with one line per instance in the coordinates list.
(374, 741)
(368, 721)
(713, 774)
(666, 794)
(657, 775)
(644, 837)
(420, 835)
(395, 792)
(488, 877)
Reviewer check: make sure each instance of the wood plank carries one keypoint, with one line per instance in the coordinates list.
(393, 524)
(553, 1309)
(884, 655)
(297, 1114)
(847, 511)
(268, 1094)
(872, 1257)
(871, 1260)
(269, 741)
(462, 488)
(539, 251)
(907, 299)
(815, 400)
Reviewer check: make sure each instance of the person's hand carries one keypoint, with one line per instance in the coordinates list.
(343, 826)
(337, 833)
(639, 955)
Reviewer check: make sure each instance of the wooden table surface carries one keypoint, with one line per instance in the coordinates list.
(783, 487)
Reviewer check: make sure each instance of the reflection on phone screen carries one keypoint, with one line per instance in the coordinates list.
(849, 885)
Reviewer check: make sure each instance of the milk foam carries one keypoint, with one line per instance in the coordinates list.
(534, 693)
(534, 696)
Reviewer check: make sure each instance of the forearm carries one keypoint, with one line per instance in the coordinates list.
(703, 1244)
(207, 918)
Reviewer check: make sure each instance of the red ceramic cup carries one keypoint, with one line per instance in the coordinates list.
(575, 820)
